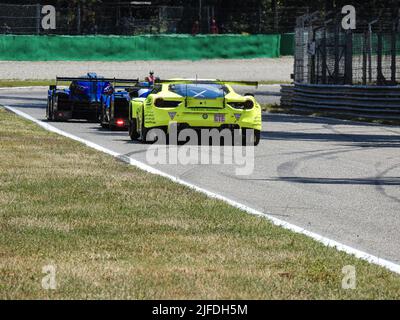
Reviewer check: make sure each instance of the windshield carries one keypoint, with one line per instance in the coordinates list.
(200, 91)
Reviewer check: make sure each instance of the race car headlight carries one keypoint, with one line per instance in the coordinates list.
(245, 105)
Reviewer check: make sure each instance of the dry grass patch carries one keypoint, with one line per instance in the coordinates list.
(113, 231)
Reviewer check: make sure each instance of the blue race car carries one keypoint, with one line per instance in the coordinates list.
(115, 104)
(81, 100)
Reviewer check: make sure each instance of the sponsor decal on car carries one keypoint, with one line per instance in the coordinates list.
(219, 117)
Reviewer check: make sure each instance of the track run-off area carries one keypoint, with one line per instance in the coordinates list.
(338, 179)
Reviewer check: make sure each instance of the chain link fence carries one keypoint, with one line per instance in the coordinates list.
(127, 18)
(325, 53)
(20, 19)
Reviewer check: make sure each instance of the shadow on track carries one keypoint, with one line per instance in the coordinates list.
(364, 139)
(383, 181)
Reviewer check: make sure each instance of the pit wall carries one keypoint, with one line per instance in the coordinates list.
(151, 47)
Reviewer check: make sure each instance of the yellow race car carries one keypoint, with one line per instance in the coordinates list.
(197, 104)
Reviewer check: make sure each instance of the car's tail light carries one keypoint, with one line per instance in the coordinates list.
(120, 122)
(249, 104)
(161, 103)
(245, 105)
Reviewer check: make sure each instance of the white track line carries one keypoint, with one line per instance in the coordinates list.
(324, 240)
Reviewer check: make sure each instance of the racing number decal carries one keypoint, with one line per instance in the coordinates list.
(219, 117)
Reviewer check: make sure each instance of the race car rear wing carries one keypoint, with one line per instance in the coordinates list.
(114, 80)
(201, 81)
(87, 79)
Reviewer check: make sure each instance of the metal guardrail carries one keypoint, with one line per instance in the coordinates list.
(370, 102)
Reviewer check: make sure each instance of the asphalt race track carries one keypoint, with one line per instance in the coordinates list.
(336, 178)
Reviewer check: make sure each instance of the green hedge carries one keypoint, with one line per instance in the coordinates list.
(152, 47)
